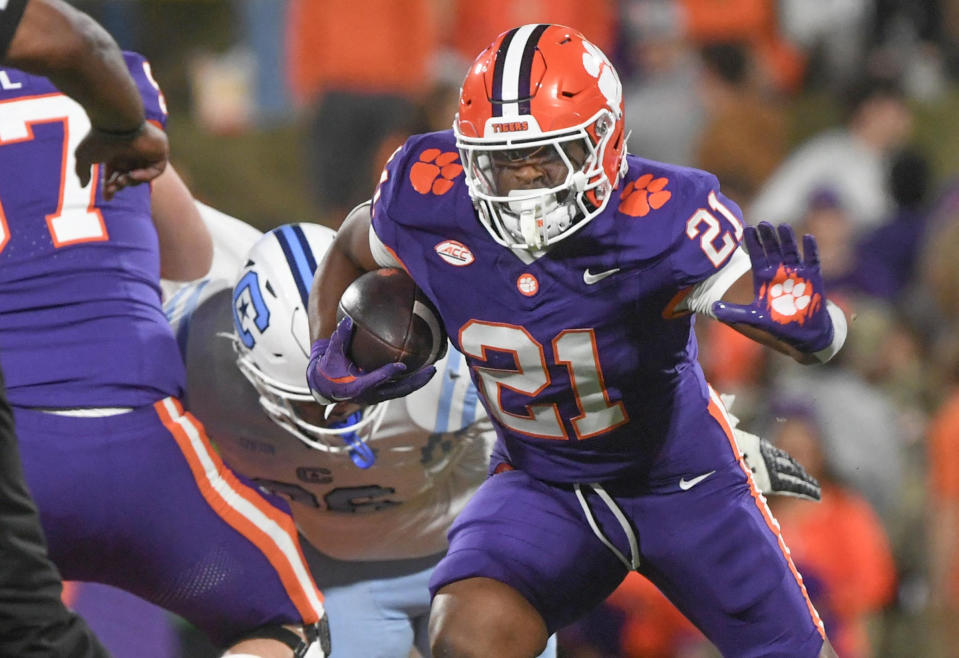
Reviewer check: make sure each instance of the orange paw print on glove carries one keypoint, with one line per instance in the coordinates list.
(435, 171)
(790, 298)
(643, 194)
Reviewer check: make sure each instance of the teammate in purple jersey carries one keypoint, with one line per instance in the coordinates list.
(567, 272)
(130, 492)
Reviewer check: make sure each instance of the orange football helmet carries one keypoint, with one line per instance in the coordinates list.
(540, 130)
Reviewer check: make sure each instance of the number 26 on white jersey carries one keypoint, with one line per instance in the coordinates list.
(76, 218)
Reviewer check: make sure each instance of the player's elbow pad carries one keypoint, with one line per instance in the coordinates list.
(839, 330)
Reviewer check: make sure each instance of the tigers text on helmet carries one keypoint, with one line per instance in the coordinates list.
(540, 131)
(271, 337)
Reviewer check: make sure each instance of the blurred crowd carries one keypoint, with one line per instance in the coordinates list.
(812, 112)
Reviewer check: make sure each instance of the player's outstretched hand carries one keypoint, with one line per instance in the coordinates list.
(790, 300)
(333, 377)
(774, 470)
(129, 159)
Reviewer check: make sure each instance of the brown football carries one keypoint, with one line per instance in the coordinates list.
(393, 321)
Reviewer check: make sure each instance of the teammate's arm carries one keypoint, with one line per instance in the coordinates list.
(70, 49)
(186, 247)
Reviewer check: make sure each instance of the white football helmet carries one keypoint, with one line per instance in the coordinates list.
(271, 338)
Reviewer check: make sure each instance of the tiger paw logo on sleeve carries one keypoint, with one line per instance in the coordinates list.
(644, 194)
(789, 297)
(435, 171)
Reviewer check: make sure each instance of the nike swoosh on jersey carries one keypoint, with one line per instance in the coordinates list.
(686, 485)
(591, 278)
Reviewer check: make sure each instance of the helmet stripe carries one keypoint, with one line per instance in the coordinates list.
(497, 91)
(299, 258)
(525, 70)
(512, 65)
(307, 249)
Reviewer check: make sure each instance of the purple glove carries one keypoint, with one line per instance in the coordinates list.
(332, 377)
(790, 298)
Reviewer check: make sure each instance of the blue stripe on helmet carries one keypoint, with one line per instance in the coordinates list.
(299, 257)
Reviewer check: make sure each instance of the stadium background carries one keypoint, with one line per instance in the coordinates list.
(734, 86)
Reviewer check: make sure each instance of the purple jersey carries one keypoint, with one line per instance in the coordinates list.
(79, 277)
(575, 353)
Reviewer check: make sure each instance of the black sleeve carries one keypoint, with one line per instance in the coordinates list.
(10, 13)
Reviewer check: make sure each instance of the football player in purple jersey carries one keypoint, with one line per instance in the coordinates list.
(128, 489)
(51, 38)
(568, 272)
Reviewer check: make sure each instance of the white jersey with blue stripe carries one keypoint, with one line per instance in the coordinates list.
(432, 447)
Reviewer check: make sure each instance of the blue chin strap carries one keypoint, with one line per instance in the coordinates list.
(361, 454)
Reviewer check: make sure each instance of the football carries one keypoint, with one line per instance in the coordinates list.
(393, 321)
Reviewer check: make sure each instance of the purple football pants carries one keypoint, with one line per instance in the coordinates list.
(140, 501)
(713, 548)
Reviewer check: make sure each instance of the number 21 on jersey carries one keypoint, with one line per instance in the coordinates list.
(574, 348)
(76, 218)
(717, 254)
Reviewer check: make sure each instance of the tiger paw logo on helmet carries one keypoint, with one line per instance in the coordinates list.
(596, 64)
(435, 171)
(789, 297)
(644, 194)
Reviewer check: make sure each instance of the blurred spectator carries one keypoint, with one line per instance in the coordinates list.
(745, 134)
(262, 29)
(939, 274)
(827, 219)
(476, 24)
(886, 257)
(833, 33)
(943, 516)
(909, 38)
(360, 66)
(752, 22)
(853, 161)
(664, 114)
(860, 429)
(837, 544)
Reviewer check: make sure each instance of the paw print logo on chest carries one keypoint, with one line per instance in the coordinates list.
(435, 171)
(644, 194)
(790, 298)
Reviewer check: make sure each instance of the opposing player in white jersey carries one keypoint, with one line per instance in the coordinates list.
(373, 494)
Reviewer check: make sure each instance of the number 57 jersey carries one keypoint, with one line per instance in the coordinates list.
(79, 277)
(577, 352)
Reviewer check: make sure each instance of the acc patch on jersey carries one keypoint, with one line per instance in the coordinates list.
(455, 253)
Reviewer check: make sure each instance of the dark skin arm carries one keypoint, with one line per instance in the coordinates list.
(70, 49)
(347, 259)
